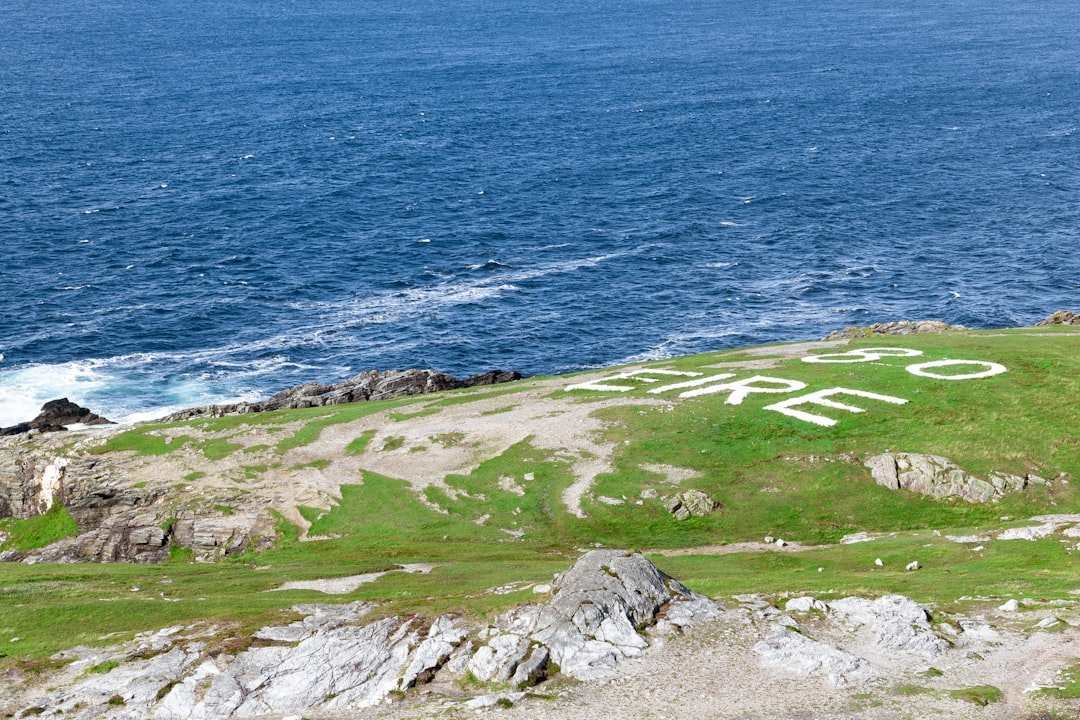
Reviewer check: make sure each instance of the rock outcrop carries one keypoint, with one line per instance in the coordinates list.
(369, 385)
(328, 662)
(116, 520)
(56, 415)
(690, 503)
(1061, 317)
(939, 477)
(899, 327)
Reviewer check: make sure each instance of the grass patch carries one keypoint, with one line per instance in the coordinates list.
(39, 531)
(142, 440)
(979, 694)
(218, 448)
(360, 444)
(400, 417)
(394, 442)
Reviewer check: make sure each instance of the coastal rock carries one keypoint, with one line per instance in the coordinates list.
(939, 477)
(899, 327)
(369, 385)
(55, 415)
(1061, 317)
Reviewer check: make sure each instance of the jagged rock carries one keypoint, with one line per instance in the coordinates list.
(899, 327)
(790, 652)
(591, 623)
(533, 669)
(897, 623)
(937, 477)
(690, 503)
(497, 661)
(369, 385)
(56, 415)
(326, 663)
(1061, 317)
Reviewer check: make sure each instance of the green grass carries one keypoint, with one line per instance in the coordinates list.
(38, 531)
(1069, 687)
(979, 695)
(774, 474)
(360, 444)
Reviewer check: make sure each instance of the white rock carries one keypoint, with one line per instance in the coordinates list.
(878, 562)
(805, 604)
(1036, 532)
(1010, 606)
(792, 653)
(913, 565)
(859, 537)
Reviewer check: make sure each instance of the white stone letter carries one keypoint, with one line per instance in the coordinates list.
(636, 376)
(991, 369)
(821, 398)
(741, 388)
(862, 355)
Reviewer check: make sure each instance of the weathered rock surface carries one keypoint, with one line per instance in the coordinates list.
(592, 622)
(328, 662)
(56, 415)
(116, 520)
(690, 503)
(899, 327)
(897, 623)
(1061, 317)
(939, 477)
(369, 385)
(790, 652)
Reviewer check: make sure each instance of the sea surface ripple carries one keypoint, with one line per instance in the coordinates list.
(210, 201)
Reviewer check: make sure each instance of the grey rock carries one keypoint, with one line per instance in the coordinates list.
(533, 669)
(369, 385)
(1061, 317)
(896, 622)
(498, 659)
(57, 415)
(690, 503)
(899, 327)
(805, 604)
(790, 652)
(938, 477)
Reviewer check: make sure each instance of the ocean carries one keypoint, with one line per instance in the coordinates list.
(202, 202)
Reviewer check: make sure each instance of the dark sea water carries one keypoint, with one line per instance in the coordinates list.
(202, 201)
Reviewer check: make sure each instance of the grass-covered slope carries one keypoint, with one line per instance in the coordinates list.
(502, 488)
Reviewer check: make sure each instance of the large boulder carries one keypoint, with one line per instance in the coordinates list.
(938, 477)
(594, 619)
(57, 415)
(1061, 317)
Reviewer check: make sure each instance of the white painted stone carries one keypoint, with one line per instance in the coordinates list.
(821, 397)
(991, 369)
(740, 389)
(862, 355)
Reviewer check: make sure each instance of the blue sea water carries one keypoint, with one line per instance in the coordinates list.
(208, 201)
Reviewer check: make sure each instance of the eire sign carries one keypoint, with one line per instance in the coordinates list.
(738, 390)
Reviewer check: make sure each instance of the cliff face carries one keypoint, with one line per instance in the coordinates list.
(117, 519)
